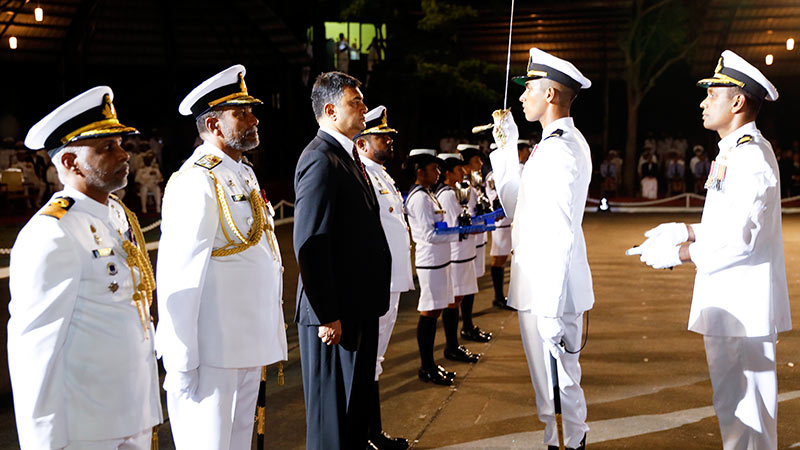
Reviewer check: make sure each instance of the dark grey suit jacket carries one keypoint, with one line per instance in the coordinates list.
(344, 260)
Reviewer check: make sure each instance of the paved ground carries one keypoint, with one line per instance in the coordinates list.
(644, 375)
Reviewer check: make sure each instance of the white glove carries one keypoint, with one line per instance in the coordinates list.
(551, 329)
(182, 383)
(657, 254)
(672, 233)
(505, 130)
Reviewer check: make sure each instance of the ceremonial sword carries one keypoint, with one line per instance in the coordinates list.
(482, 128)
(557, 400)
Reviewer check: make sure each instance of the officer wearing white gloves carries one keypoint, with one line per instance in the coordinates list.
(80, 340)
(375, 144)
(740, 300)
(219, 273)
(551, 284)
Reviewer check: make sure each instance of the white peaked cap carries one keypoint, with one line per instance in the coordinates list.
(225, 88)
(733, 70)
(544, 65)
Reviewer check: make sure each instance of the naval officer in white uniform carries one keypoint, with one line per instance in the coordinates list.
(80, 339)
(219, 273)
(551, 284)
(375, 144)
(740, 300)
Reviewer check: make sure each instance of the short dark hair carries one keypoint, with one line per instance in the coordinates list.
(752, 104)
(200, 122)
(329, 88)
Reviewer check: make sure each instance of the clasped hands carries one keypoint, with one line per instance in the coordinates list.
(330, 333)
(661, 249)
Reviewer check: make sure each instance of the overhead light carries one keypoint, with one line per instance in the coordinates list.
(12, 42)
(790, 44)
(38, 13)
(768, 59)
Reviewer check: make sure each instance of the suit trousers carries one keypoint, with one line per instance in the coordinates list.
(139, 441)
(573, 402)
(745, 383)
(385, 328)
(338, 383)
(220, 415)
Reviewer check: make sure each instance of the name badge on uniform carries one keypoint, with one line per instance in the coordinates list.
(716, 175)
(102, 252)
(238, 197)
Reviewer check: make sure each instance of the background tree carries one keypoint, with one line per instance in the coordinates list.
(661, 33)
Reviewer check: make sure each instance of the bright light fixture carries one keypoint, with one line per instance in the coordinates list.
(790, 44)
(769, 59)
(12, 42)
(38, 13)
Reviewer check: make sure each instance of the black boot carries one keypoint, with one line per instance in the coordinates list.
(469, 331)
(498, 276)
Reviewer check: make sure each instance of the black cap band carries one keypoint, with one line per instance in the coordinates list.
(750, 85)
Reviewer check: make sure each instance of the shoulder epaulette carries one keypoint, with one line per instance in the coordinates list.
(58, 207)
(208, 161)
(744, 140)
(557, 133)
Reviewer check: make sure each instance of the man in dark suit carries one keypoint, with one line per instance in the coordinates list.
(345, 270)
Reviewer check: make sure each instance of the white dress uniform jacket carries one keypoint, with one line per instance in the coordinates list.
(82, 364)
(462, 252)
(221, 311)
(740, 288)
(394, 225)
(549, 269)
(432, 251)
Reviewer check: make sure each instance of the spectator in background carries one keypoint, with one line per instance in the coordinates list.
(342, 54)
(615, 158)
(609, 171)
(700, 169)
(648, 172)
(148, 179)
(676, 171)
(30, 181)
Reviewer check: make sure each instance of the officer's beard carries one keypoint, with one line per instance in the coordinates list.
(106, 181)
(242, 142)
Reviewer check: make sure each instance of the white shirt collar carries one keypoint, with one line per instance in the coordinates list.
(346, 143)
(207, 147)
(564, 122)
(370, 163)
(89, 204)
(729, 141)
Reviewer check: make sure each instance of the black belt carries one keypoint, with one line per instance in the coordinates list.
(441, 266)
(460, 261)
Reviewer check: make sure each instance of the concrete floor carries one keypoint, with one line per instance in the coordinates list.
(644, 374)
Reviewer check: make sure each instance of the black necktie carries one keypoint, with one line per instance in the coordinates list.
(361, 166)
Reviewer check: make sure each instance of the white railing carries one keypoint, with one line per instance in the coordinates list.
(662, 205)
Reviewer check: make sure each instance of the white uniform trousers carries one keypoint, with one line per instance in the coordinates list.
(220, 415)
(573, 403)
(385, 327)
(139, 441)
(501, 242)
(745, 386)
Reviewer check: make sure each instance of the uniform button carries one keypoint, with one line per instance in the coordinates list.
(249, 221)
(391, 209)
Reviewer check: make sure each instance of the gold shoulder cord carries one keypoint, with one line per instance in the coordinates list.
(260, 224)
(138, 258)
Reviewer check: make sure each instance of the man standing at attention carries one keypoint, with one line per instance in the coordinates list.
(219, 273)
(376, 147)
(345, 270)
(551, 285)
(80, 339)
(740, 301)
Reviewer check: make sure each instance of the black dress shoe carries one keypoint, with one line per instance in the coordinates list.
(461, 353)
(502, 304)
(580, 447)
(476, 334)
(444, 372)
(383, 441)
(434, 376)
